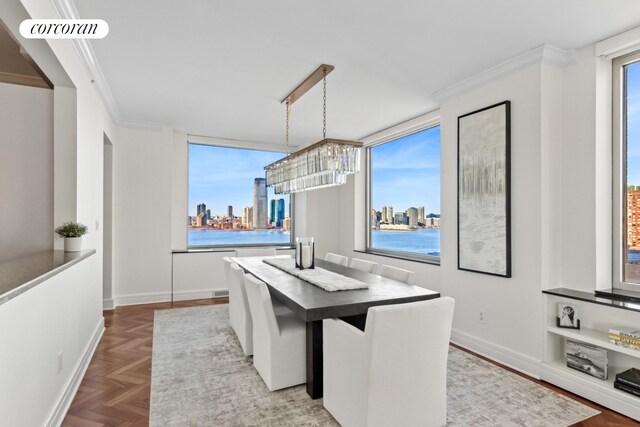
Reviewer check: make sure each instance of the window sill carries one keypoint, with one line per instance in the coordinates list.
(403, 256)
(202, 249)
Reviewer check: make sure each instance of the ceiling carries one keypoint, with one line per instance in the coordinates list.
(220, 68)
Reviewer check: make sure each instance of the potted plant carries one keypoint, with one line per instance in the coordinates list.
(72, 232)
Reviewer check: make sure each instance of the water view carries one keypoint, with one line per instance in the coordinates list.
(423, 241)
(204, 237)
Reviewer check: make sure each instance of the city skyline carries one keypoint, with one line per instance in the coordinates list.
(404, 171)
(222, 177)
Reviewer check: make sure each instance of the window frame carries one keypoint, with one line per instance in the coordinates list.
(619, 170)
(226, 247)
(395, 133)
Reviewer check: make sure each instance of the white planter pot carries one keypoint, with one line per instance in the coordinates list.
(72, 244)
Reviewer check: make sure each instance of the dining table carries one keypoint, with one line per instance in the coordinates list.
(312, 304)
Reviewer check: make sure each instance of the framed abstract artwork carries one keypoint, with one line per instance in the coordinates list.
(484, 223)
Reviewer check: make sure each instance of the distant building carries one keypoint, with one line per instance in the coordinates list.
(421, 214)
(260, 203)
(279, 212)
(273, 215)
(412, 217)
(201, 219)
(387, 214)
(286, 223)
(375, 223)
(401, 218)
(247, 217)
(633, 217)
(202, 208)
(230, 211)
(208, 213)
(435, 222)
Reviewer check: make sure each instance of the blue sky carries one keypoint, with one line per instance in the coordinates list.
(633, 124)
(406, 172)
(220, 176)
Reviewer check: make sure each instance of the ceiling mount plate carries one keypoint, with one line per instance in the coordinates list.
(308, 83)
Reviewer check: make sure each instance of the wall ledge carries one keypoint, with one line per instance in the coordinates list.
(20, 275)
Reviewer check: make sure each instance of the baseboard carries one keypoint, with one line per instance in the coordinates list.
(142, 298)
(62, 406)
(520, 362)
(211, 293)
(108, 304)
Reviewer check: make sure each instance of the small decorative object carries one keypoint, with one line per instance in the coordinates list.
(305, 253)
(567, 316)
(484, 219)
(587, 358)
(72, 233)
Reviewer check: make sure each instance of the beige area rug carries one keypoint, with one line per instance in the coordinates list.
(200, 377)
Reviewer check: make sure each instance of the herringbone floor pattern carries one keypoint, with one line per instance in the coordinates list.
(116, 388)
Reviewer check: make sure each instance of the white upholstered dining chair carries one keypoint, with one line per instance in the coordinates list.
(381, 377)
(239, 312)
(256, 252)
(279, 339)
(366, 266)
(395, 273)
(336, 259)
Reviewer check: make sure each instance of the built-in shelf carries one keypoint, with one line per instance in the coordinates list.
(591, 336)
(596, 314)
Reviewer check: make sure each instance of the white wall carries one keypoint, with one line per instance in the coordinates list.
(63, 313)
(57, 316)
(26, 170)
(512, 306)
(587, 175)
(142, 215)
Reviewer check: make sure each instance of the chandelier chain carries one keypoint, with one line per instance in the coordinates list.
(324, 103)
(286, 134)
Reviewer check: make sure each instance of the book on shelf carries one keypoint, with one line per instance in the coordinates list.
(624, 344)
(624, 339)
(627, 332)
(626, 388)
(630, 377)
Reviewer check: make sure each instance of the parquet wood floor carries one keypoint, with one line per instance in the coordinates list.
(116, 388)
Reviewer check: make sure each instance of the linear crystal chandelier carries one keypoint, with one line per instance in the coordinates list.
(323, 164)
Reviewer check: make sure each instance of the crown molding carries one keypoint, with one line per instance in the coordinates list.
(544, 54)
(236, 143)
(66, 9)
(141, 124)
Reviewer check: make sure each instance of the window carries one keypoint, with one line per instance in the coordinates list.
(404, 196)
(627, 171)
(229, 204)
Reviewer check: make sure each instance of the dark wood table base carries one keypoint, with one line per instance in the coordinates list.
(315, 352)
